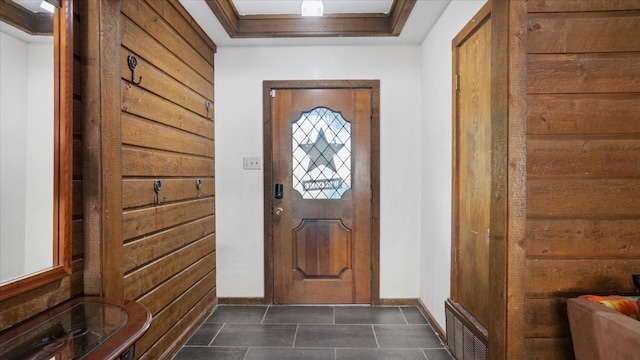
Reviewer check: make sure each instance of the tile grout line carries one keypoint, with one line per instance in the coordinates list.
(375, 337)
(217, 333)
(266, 310)
(295, 336)
(424, 354)
(404, 316)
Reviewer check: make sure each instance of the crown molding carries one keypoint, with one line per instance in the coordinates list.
(332, 25)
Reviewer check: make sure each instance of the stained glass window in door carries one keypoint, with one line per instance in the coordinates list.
(321, 154)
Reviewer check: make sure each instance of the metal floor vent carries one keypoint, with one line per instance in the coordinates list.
(466, 338)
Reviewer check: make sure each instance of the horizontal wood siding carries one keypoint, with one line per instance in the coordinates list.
(24, 306)
(583, 161)
(169, 257)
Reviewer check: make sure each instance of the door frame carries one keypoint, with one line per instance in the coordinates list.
(267, 86)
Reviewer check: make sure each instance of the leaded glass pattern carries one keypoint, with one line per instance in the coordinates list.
(321, 154)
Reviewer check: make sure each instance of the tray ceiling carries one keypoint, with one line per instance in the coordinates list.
(423, 16)
(292, 7)
(281, 18)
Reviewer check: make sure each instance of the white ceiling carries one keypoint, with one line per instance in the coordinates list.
(32, 5)
(258, 7)
(422, 18)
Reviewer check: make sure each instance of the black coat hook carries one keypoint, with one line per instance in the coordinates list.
(157, 185)
(208, 106)
(133, 62)
(198, 187)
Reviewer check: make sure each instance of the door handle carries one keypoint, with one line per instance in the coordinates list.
(279, 191)
(278, 211)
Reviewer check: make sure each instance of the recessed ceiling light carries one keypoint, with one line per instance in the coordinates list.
(312, 8)
(47, 6)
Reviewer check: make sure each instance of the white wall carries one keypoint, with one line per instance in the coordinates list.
(415, 155)
(239, 201)
(26, 153)
(13, 151)
(40, 121)
(436, 155)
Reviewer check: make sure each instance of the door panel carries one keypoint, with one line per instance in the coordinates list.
(472, 174)
(322, 249)
(321, 141)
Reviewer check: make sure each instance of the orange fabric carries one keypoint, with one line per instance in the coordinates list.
(627, 305)
(599, 333)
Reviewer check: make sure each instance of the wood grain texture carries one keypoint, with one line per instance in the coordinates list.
(139, 192)
(548, 349)
(347, 277)
(161, 295)
(21, 307)
(167, 346)
(581, 5)
(584, 114)
(137, 101)
(268, 133)
(583, 160)
(187, 26)
(584, 73)
(584, 32)
(584, 157)
(150, 135)
(546, 317)
(584, 198)
(550, 277)
(143, 162)
(265, 26)
(139, 281)
(145, 17)
(169, 246)
(514, 174)
(102, 154)
(26, 305)
(166, 87)
(149, 220)
(498, 248)
(583, 238)
(166, 321)
(145, 250)
(472, 169)
(145, 47)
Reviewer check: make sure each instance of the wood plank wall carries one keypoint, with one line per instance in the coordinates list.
(167, 135)
(583, 161)
(24, 306)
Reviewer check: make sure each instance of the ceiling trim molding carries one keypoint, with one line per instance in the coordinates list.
(332, 25)
(25, 20)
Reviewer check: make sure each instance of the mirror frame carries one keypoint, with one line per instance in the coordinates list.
(63, 156)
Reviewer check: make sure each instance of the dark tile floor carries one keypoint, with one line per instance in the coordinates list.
(316, 333)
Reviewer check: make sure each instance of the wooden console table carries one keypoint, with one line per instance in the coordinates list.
(91, 328)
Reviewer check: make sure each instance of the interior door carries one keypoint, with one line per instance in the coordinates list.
(321, 189)
(472, 171)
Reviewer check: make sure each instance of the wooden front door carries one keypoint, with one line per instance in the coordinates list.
(321, 195)
(472, 168)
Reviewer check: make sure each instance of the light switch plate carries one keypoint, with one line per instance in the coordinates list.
(251, 163)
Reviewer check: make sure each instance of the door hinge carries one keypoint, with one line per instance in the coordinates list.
(457, 80)
(272, 93)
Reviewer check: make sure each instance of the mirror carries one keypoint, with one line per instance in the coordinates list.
(36, 57)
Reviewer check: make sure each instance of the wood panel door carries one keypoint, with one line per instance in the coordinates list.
(321, 195)
(472, 170)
